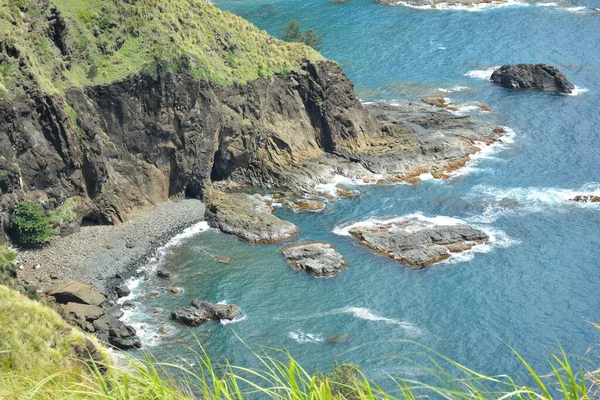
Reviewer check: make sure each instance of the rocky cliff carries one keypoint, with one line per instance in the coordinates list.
(275, 116)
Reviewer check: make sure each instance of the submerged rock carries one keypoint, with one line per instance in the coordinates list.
(317, 258)
(200, 311)
(76, 292)
(247, 217)
(339, 338)
(163, 273)
(416, 244)
(532, 76)
(304, 204)
(586, 198)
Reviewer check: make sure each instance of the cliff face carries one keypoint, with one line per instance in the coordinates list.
(119, 147)
(96, 132)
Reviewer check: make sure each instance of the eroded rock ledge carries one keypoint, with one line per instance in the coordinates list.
(247, 217)
(413, 243)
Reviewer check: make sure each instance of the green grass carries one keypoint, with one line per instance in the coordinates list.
(37, 362)
(109, 40)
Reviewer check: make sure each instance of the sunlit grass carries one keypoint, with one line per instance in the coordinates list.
(36, 362)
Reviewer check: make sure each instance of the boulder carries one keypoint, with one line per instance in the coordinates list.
(76, 292)
(200, 311)
(532, 76)
(79, 311)
(122, 291)
(317, 258)
(163, 273)
(418, 244)
(247, 217)
(124, 337)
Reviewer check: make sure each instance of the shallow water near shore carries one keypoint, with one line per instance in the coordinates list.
(536, 285)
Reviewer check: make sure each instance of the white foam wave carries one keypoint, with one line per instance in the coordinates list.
(578, 90)
(468, 108)
(471, 8)
(360, 313)
(233, 321)
(302, 337)
(418, 217)
(482, 73)
(486, 152)
(334, 184)
(511, 201)
(579, 9)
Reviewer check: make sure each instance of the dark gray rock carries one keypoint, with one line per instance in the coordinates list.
(201, 311)
(124, 337)
(122, 291)
(163, 273)
(416, 244)
(532, 76)
(317, 258)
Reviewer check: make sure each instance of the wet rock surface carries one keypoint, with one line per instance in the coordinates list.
(418, 245)
(532, 76)
(247, 217)
(201, 311)
(586, 198)
(319, 259)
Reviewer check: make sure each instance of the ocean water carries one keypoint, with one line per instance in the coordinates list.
(535, 286)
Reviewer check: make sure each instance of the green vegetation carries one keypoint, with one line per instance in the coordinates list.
(292, 33)
(64, 43)
(64, 213)
(32, 224)
(37, 361)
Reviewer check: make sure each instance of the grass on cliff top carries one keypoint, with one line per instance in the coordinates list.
(102, 41)
(36, 362)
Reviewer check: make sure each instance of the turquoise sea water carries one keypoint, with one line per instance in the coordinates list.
(536, 286)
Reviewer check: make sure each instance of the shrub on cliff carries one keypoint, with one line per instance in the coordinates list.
(31, 224)
(292, 33)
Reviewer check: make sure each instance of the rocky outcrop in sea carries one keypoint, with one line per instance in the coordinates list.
(320, 259)
(532, 76)
(246, 216)
(416, 244)
(201, 311)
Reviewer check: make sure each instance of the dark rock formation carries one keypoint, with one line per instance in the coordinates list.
(79, 305)
(201, 311)
(123, 337)
(122, 291)
(247, 217)
(416, 244)
(530, 76)
(317, 258)
(163, 273)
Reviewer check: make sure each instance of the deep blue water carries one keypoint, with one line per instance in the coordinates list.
(536, 287)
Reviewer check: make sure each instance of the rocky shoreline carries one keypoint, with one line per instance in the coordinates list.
(104, 256)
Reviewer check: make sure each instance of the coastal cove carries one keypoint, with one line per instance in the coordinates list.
(535, 283)
(398, 194)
